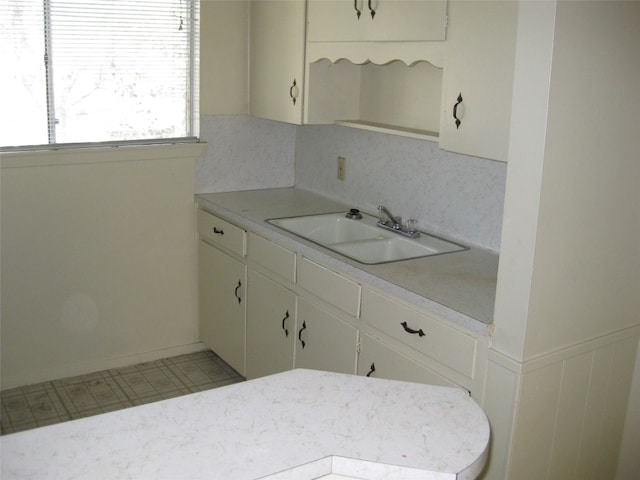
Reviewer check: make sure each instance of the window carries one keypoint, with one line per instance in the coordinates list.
(87, 71)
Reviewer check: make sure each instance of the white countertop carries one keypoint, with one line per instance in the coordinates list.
(457, 286)
(297, 425)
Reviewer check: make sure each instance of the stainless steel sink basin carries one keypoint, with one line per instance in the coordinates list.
(362, 240)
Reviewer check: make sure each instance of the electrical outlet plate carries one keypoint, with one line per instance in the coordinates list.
(342, 168)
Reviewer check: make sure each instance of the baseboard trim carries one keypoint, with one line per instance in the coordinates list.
(70, 370)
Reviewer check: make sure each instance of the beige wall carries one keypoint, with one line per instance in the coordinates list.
(224, 57)
(533, 59)
(586, 280)
(571, 228)
(98, 259)
(98, 247)
(567, 316)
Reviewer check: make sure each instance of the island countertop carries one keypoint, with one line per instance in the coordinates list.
(457, 286)
(300, 424)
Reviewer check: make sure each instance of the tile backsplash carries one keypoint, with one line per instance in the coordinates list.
(447, 193)
(244, 153)
(450, 194)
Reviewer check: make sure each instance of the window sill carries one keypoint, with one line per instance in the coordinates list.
(74, 156)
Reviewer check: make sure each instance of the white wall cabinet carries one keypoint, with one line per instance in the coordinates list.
(477, 79)
(381, 73)
(284, 54)
(376, 20)
(276, 61)
(419, 68)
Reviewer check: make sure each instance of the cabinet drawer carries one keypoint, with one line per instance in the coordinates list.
(272, 256)
(329, 286)
(449, 346)
(222, 233)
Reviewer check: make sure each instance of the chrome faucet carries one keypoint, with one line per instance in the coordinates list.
(395, 223)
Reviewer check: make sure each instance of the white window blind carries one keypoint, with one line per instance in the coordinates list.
(88, 71)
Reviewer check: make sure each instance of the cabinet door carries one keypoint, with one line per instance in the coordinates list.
(378, 360)
(276, 55)
(392, 20)
(478, 78)
(222, 299)
(270, 327)
(323, 341)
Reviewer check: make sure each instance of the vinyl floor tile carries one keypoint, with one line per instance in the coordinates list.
(66, 399)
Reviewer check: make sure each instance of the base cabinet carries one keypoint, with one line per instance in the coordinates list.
(286, 331)
(324, 342)
(222, 301)
(417, 345)
(271, 327)
(266, 309)
(378, 360)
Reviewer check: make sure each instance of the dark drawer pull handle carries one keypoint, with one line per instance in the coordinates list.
(284, 321)
(373, 12)
(455, 110)
(236, 291)
(371, 370)
(411, 330)
(293, 91)
(355, 5)
(304, 326)
(218, 231)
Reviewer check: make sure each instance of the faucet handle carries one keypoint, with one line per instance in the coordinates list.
(412, 225)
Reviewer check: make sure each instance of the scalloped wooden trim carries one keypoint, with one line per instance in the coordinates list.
(380, 53)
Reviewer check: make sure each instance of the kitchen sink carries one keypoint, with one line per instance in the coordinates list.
(361, 239)
(329, 228)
